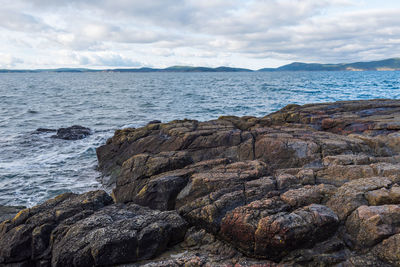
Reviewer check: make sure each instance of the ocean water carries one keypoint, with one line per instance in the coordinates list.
(35, 167)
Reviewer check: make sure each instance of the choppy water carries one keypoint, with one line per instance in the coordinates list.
(35, 167)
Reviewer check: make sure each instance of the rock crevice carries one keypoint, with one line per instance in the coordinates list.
(313, 185)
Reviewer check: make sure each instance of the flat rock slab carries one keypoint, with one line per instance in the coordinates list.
(87, 230)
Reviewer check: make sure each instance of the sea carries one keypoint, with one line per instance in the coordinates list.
(35, 167)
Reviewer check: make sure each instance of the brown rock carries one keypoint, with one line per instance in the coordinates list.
(347, 159)
(384, 196)
(351, 195)
(389, 250)
(277, 234)
(339, 174)
(293, 186)
(369, 225)
(308, 195)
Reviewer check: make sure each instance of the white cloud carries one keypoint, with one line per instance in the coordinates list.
(17, 21)
(108, 60)
(9, 61)
(252, 33)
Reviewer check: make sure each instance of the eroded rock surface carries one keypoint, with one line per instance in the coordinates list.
(8, 212)
(275, 186)
(87, 230)
(313, 185)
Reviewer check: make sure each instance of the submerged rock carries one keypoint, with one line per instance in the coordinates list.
(74, 132)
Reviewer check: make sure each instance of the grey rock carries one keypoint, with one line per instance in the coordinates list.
(74, 132)
(8, 212)
(87, 230)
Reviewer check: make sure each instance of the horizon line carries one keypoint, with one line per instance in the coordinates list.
(177, 67)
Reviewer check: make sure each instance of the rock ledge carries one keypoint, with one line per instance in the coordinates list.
(312, 185)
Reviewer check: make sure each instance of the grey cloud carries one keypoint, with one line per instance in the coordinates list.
(17, 21)
(280, 29)
(346, 37)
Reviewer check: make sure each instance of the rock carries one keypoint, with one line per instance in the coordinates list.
(116, 234)
(351, 195)
(8, 212)
(368, 225)
(308, 195)
(313, 185)
(200, 248)
(74, 132)
(154, 122)
(159, 193)
(344, 117)
(26, 236)
(340, 174)
(367, 259)
(327, 253)
(274, 235)
(384, 196)
(87, 229)
(347, 159)
(389, 250)
(309, 185)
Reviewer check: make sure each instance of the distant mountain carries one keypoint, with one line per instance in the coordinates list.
(169, 69)
(182, 69)
(49, 70)
(387, 64)
(381, 65)
(202, 69)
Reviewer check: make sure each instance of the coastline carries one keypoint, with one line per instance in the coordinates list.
(390, 64)
(303, 185)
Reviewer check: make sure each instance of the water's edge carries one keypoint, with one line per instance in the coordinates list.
(35, 167)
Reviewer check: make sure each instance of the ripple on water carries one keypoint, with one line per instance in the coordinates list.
(35, 167)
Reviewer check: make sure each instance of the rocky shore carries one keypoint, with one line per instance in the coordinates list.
(312, 185)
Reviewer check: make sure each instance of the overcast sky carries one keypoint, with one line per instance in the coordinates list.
(160, 33)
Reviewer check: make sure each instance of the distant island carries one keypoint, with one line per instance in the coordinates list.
(381, 65)
(391, 64)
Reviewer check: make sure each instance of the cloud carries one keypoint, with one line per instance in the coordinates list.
(9, 61)
(108, 60)
(17, 21)
(157, 32)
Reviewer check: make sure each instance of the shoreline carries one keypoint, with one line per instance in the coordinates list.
(391, 64)
(300, 185)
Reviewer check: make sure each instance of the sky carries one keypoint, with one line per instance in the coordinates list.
(160, 33)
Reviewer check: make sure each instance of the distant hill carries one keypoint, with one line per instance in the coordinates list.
(169, 69)
(381, 65)
(182, 69)
(387, 64)
(48, 70)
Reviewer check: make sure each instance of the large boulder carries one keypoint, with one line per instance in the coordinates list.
(86, 230)
(314, 184)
